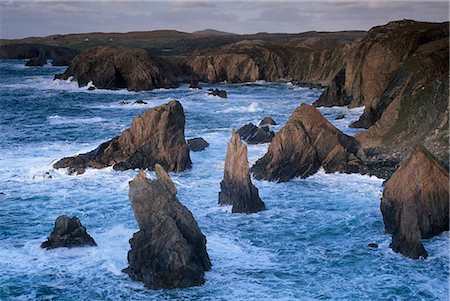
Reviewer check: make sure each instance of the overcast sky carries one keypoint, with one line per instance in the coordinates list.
(20, 19)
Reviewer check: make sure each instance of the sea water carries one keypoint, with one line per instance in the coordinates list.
(310, 244)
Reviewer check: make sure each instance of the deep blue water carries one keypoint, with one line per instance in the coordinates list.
(311, 243)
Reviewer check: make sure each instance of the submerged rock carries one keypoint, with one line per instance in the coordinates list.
(169, 250)
(237, 188)
(415, 203)
(339, 117)
(217, 92)
(140, 102)
(307, 142)
(157, 136)
(68, 232)
(197, 144)
(255, 135)
(267, 121)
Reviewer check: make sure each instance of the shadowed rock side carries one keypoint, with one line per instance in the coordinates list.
(157, 136)
(236, 187)
(335, 94)
(68, 232)
(415, 203)
(255, 135)
(118, 68)
(197, 144)
(169, 250)
(307, 142)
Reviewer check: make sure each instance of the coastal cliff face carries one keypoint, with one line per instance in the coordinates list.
(60, 56)
(157, 136)
(119, 68)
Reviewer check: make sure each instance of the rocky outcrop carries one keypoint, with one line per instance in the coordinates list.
(197, 144)
(415, 203)
(217, 92)
(335, 94)
(68, 233)
(157, 136)
(37, 61)
(120, 68)
(236, 188)
(267, 121)
(60, 56)
(195, 85)
(169, 250)
(255, 135)
(307, 142)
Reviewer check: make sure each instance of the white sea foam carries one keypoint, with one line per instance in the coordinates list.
(56, 120)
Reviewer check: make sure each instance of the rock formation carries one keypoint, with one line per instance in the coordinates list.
(217, 92)
(307, 142)
(415, 203)
(195, 85)
(119, 68)
(157, 136)
(335, 94)
(37, 61)
(68, 232)
(236, 187)
(169, 250)
(255, 135)
(60, 56)
(197, 144)
(267, 121)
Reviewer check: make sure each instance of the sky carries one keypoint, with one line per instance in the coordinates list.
(19, 19)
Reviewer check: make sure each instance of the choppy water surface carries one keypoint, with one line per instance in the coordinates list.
(309, 245)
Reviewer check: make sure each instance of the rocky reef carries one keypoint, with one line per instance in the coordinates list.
(307, 142)
(157, 136)
(169, 250)
(236, 187)
(68, 233)
(415, 203)
(109, 67)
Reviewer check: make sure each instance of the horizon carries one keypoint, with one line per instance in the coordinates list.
(27, 19)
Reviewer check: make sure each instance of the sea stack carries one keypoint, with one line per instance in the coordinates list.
(157, 136)
(169, 250)
(68, 233)
(307, 142)
(415, 203)
(237, 188)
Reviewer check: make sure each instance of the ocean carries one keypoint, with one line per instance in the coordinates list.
(311, 243)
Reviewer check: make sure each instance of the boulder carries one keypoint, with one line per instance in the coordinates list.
(217, 92)
(197, 144)
(169, 250)
(157, 136)
(68, 232)
(37, 61)
(112, 67)
(307, 142)
(267, 121)
(415, 203)
(236, 187)
(255, 135)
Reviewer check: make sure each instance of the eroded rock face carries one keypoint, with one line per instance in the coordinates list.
(157, 136)
(119, 68)
(197, 144)
(169, 250)
(236, 187)
(307, 142)
(415, 203)
(69, 233)
(255, 135)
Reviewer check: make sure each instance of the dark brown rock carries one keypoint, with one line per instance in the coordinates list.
(307, 142)
(415, 203)
(236, 187)
(267, 121)
(195, 85)
(119, 68)
(372, 245)
(169, 250)
(339, 117)
(37, 61)
(69, 233)
(255, 135)
(197, 144)
(217, 92)
(157, 136)
(334, 94)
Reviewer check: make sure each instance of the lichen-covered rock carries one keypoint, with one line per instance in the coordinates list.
(69, 233)
(237, 188)
(307, 142)
(197, 144)
(415, 203)
(112, 67)
(169, 250)
(255, 135)
(157, 136)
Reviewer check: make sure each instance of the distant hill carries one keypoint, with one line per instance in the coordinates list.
(212, 32)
